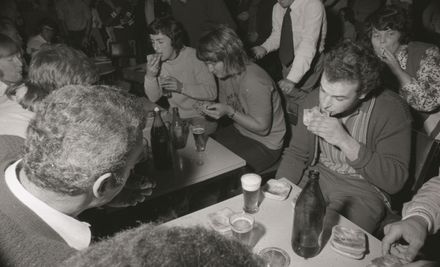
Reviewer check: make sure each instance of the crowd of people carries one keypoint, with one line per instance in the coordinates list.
(349, 83)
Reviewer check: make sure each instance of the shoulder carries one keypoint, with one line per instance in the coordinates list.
(256, 77)
(189, 54)
(390, 105)
(313, 5)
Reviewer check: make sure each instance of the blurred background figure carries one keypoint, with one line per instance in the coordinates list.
(150, 245)
(45, 35)
(76, 20)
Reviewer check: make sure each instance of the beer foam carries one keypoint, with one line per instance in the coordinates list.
(242, 225)
(250, 181)
(198, 130)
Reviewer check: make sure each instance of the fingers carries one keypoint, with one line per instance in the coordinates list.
(392, 234)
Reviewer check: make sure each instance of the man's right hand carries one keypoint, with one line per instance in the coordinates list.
(413, 230)
(153, 65)
(259, 52)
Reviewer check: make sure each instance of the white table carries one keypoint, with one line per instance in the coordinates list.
(217, 160)
(274, 220)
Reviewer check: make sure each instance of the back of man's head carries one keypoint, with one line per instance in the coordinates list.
(78, 134)
(58, 65)
(160, 246)
(352, 62)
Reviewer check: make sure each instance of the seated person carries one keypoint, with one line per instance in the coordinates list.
(248, 96)
(75, 159)
(150, 245)
(45, 35)
(52, 67)
(415, 66)
(421, 217)
(357, 137)
(176, 69)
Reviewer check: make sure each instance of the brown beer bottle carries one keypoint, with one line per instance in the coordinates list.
(309, 218)
(160, 143)
(178, 130)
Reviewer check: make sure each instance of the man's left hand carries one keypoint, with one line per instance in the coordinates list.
(128, 197)
(286, 86)
(328, 128)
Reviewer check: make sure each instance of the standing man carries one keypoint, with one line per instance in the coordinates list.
(80, 149)
(299, 28)
(357, 137)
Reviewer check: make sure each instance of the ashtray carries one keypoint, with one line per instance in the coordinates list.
(275, 257)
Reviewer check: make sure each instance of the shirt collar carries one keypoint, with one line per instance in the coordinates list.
(77, 234)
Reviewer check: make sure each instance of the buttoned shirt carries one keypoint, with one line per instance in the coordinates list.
(77, 234)
(309, 27)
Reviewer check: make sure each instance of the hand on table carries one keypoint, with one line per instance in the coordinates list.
(413, 230)
(128, 197)
(171, 84)
(218, 110)
(153, 65)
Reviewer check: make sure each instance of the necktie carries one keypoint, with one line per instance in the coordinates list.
(285, 51)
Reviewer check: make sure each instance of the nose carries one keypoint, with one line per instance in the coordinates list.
(382, 38)
(326, 102)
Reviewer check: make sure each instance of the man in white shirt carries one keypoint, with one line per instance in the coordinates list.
(309, 28)
(80, 149)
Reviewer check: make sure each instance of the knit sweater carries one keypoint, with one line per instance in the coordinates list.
(383, 160)
(26, 240)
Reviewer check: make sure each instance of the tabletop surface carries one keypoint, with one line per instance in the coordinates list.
(273, 228)
(193, 167)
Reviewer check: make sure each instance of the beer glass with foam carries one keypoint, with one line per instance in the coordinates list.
(250, 183)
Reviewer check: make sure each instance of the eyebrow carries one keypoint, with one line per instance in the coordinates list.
(322, 88)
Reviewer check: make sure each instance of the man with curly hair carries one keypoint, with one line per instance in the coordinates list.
(355, 135)
(80, 148)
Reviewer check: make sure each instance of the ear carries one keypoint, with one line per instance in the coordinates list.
(100, 185)
(362, 96)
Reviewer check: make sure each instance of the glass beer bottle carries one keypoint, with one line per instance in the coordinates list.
(178, 130)
(160, 143)
(309, 218)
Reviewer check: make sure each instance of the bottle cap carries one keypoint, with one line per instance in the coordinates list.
(156, 109)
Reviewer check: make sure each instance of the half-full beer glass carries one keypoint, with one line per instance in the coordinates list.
(250, 183)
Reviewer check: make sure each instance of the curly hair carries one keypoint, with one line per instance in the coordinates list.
(222, 44)
(350, 61)
(80, 133)
(390, 18)
(54, 66)
(170, 28)
(150, 245)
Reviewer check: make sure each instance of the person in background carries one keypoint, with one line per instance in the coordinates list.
(149, 245)
(421, 217)
(356, 136)
(75, 159)
(11, 65)
(415, 66)
(175, 69)
(299, 30)
(7, 27)
(76, 20)
(247, 96)
(46, 34)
